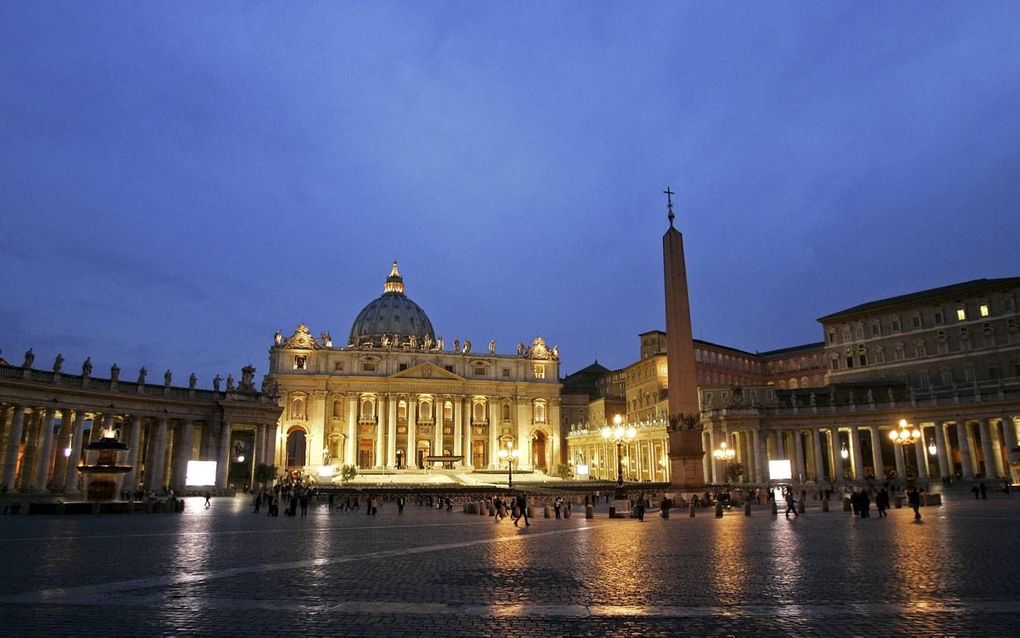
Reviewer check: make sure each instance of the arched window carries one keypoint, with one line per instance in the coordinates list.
(506, 411)
(338, 409)
(478, 412)
(426, 410)
(448, 411)
(297, 408)
(402, 410)
(367, 408)
(539, 411)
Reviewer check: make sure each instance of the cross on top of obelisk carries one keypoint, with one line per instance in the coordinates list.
(669, 201)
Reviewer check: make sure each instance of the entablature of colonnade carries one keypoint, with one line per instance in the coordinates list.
(35, 388)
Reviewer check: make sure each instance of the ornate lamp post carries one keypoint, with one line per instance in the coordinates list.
(725, 454)
(904, 436)
(509, 454)
(618, 434)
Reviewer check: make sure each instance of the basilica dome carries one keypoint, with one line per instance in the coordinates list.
(392, 319)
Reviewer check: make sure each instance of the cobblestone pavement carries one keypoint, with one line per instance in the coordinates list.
(225, 572)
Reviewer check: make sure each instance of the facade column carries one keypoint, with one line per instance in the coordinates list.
(746, 457)
(494, 443)
(943, 449)
(13, 446)
(713, 472)
(458, 429)
(351, 454)
(135, 438)
(465, 419)
(223, 463)
(77, 437)
(411, 459)
(154, 470)
(986, 448)
(391, 432)
(998, 450)
(412, 425)
(42, 469)
(437, 426)
(380, 424)
(30, 453)
(963, 440)
(857, 458)
(1008, 433)
(876, 452)
(260, 444)
(816, 445)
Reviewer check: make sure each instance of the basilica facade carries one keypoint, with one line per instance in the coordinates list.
(395, 397)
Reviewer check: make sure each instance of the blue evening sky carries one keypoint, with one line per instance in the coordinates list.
(179, 180)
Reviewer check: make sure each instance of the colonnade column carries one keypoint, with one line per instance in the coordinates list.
(712, 464)
(13, 445)
(761, 469)
(901, 470)
(986, 448)
(154, 472)
(494, 439)
(380, 423)
(746, 456)
(130, 483)
(800, 464)
(463, 411)
(63, 441)
(962, 441)
(816, 444)
(187, 433)
(42, 468)
(921, 452)
(71, 472)
(943, 449)
(223, 463)
(857, 460)
(437, 427)
(834, 456)
(876, 452)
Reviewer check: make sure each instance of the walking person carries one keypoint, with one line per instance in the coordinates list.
(258, 503)
(522, 507)
(400, 505)
(664, 506)
(208, 502)
(914, 498)
(882, 502)
(791, 504)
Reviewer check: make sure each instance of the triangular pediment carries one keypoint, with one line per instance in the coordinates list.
(427, 371)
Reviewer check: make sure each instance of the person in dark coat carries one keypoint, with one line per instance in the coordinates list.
(882, 502)
(914, 499)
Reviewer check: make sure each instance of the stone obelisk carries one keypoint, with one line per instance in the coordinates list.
(685, 451)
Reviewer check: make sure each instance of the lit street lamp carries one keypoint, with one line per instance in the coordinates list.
(904, 436)
(618, 434)
(725, 454)
(510, 454)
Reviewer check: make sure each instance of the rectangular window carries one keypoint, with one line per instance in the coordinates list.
(961, 314)
(876, 329)
(448, 368)
(938, 317)
(479, 371)
(862, 359)
(850, 361)
(835, 364)
(300, 362)
(994, 373)
(506, 372)
(402, 367)
(968, 375)
(895, 324)
(983, 309)
(915, 320)
(339, 366)
(539, 371)
(859, 330)
(368, 367)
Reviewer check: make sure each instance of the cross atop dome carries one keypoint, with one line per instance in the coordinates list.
(394, 283)
(669, 202)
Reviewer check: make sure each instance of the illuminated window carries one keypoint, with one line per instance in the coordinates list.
(983, 309)
(300, 362)
(539, 371)
(478, 412)
(338, 409)
(367, 409)
(448, 411)
(961, 314)
(297, 409)
(539, 411)
(402, 410)
(426, 411)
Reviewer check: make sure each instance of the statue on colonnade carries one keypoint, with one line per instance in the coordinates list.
(58, 363)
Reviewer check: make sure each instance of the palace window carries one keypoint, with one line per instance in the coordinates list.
(846, 333)
(1008, 303)
(968, 375)
(915, 320)
(834, 363)
(368, 367)
(939, 318)
(506, 373)
(920, 350)
(539, 371)
(961, 314)
(300, 362)
(947, 376)
(895, 322)
(879, 355)
(859, 330)
(876, 328)
(983, 309)
(832, 336)
(339, 366)
(898, 353)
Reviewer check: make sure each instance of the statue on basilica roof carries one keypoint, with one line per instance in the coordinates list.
(216, 383)
(492, 346)
(538, 350)
(58, 363)
(141, 375)
(114, 373)
(86, 367)
(29, 359)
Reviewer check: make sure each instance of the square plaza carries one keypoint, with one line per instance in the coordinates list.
(225, 571)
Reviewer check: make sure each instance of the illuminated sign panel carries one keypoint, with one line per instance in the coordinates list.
(200, 473)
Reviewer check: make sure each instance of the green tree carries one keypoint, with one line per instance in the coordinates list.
(348, 472)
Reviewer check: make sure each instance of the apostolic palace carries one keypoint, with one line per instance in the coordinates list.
(395, 399)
